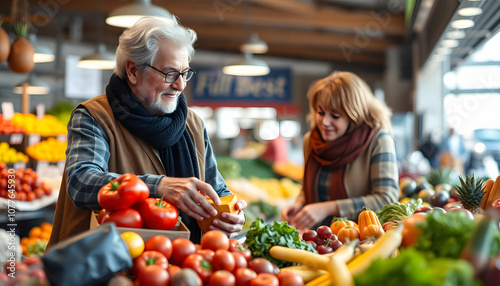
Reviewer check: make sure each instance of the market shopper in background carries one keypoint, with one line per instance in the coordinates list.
(142, 125)
(350, 157)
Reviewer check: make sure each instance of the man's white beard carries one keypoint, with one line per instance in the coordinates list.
(164, 108)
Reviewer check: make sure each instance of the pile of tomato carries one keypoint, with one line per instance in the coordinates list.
(216, 261)
(125, 202)
(7, 127)
(21, 184)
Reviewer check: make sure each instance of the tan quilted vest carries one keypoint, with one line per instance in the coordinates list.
(129, 154)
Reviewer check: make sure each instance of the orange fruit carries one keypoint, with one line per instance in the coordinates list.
(35, 232)
(45, 226)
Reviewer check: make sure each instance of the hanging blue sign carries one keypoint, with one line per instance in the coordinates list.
(211, 85)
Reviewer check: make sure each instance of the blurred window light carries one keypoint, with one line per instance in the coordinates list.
(450, 80)
(489, 51)
(478, 77)
(289, 129)
(269, 130)
(259, 112)
(469, 112)
(203, 111)
(479, 147)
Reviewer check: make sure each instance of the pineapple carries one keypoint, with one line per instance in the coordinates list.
(439, 176)
(471, 193)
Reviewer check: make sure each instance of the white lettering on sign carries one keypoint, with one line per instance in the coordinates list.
(260, 87)
(217, 85)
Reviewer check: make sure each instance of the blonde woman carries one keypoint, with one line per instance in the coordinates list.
(350, 156)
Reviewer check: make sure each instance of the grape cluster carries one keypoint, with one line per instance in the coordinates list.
(322, 239)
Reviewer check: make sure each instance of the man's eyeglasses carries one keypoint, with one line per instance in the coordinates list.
(172, 76)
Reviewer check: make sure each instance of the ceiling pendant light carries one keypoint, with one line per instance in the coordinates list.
(42, 53)
(32, 86)
(254, 46)
(248, 66)
(126, 16)
(101, 60)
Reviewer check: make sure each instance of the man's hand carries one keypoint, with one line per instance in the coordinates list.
(187, 195)
(231, 224)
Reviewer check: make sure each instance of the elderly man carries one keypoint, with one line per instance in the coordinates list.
(142, 125)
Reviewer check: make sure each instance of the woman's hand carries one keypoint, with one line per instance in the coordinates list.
(312, 214)
(186, 195)
(231, 224)
(288, 212)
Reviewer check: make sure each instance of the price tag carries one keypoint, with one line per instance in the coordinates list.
(33, 139)
(41, 165)
(40, 111)
(7, 110)
(18, 165)
(16, 138)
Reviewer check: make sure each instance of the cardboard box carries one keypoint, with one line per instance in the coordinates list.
(179, 230)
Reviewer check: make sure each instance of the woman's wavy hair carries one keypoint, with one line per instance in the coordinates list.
(346, 93)
(141, 42)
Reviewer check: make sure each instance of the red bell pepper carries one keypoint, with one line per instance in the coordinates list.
(123, 192)
(158, 214)
(124, 218)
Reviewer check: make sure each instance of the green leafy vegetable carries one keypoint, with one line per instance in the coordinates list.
(445, 235)
(397, 211)
(411, 267)
(229, 169)
(262, 236)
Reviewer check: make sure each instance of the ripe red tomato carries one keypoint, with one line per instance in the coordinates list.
(173, 269)
(153, 275)
(20, 196)
(411, 231)
(236, 246)
(290, 278)
(3, 184)
(181, 248)
(244, 276)
(124, 218)
(265, 279)
(148, 258)
(208, 254)
(30, 196)
(214, 240)
(261, 265)
(39, 192)
(222, 278)
(201, 266)
(100, 216)
(223, 260)
(161, 244)
(239, 260)
(158, 214)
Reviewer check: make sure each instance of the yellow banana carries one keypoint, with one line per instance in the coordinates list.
(304, 271)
